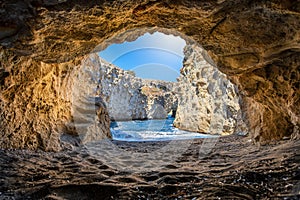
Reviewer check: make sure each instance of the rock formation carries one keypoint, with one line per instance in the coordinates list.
(129, 98)
(255, 43)
(208, 101)
(89, 113)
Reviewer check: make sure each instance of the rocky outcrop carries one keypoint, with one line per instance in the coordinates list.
(208, 101)
(89, 113)
(129, 98)
(255, 43)
(161, 98)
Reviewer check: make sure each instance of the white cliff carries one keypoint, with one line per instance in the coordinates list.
(128, 97)
(207, 100)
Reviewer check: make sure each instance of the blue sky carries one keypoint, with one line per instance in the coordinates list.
(151, 56)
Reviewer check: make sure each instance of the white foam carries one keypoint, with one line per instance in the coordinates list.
(156, 135)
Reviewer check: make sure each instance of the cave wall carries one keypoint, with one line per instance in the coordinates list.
(52, 107)
(255, 43)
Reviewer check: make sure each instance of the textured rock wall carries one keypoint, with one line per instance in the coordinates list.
(35, 104)
(162, 98)
(208, 101)
(128, 97)
(51, 107)
(255, 43)
(89, 112)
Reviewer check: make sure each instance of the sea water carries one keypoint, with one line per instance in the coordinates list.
(151, 130)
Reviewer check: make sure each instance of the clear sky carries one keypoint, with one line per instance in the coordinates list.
(151, 56)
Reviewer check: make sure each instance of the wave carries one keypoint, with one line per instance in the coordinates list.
(156, 135)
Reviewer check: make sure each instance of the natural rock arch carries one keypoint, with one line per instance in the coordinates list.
(256, 43)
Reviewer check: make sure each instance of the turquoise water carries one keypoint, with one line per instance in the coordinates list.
(151, 130)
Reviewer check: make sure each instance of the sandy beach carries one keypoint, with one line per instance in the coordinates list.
(232, 168)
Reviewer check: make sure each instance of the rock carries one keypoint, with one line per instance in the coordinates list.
(53, 2)
(208, 101)
(89, 112)
(255, 43)
(51, 105)
(131, 98)
(7, 31)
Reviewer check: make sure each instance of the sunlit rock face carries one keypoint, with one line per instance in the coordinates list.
(55, 108)
(255, 43)
(130, 98)
(208, 101)
(36, 104)
(89, 113)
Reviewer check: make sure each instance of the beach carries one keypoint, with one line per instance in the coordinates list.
(233, 168)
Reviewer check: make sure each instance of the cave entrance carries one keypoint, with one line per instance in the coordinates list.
(142, 79)
(151, 56)
(151, 76)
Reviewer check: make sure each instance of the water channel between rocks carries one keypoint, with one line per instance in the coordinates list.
(151, 130)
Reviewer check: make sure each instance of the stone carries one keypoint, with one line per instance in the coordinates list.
(252, 42)
(207, 101)
(89, 112)
(131, 98)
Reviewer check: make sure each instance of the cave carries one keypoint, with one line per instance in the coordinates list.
(45, 43)
(258, 59)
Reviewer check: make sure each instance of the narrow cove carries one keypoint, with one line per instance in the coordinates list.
(151, 130)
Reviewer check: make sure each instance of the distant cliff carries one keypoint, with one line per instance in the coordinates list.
(128, 97)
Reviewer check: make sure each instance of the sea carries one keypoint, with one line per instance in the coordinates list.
(151, 130)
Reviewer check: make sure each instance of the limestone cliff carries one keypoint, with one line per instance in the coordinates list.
(128, 97)
(208, 101)
(255, 43)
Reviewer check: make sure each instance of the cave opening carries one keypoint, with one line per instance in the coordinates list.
(144, 75)
(160, 85)
(152, 56)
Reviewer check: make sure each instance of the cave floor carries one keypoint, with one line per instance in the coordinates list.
(227, 168)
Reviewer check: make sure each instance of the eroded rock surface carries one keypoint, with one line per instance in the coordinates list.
(52, 107)
(90, 116)
(208, 101)
(128, 97)
(255, 43)
(36, 105)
